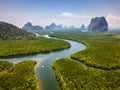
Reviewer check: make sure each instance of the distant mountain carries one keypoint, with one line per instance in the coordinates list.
(53, 26)
(82, 27)
(98, 25)
(9, 31)
(29, 27)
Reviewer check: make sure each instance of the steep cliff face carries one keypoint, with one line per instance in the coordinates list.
(98, 25)
(9, 31)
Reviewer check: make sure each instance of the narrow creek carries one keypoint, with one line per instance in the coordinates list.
(44, 72)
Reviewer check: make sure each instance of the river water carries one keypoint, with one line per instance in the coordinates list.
(44, 71)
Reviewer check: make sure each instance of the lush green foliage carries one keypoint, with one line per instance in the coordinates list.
(72, 76)
(25, 47)
(103, 49)
(20, 76)
(5, 65)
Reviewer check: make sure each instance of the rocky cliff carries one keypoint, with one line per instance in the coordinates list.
(98, 25)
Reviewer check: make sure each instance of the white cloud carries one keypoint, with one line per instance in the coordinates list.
(68, 14)
(113, 20)
(73, 15)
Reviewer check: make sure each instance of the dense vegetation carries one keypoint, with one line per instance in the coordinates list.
(72, 76)
(11, 32)
(103, 49)
(20, 76)
(25, 47)
(5, 65)
(102, 57)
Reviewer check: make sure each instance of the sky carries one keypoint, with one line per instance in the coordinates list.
(65, 12)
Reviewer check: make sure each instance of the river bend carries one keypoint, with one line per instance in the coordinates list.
(44, 71)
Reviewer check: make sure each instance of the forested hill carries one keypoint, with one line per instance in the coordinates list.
(9, 31)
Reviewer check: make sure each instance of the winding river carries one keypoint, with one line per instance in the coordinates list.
(44, 72)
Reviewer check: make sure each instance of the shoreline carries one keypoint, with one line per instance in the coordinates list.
(38, 85)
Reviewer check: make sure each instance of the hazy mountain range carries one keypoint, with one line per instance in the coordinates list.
(9, 31)
(31, 28)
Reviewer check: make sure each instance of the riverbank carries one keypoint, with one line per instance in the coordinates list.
(39, 87)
